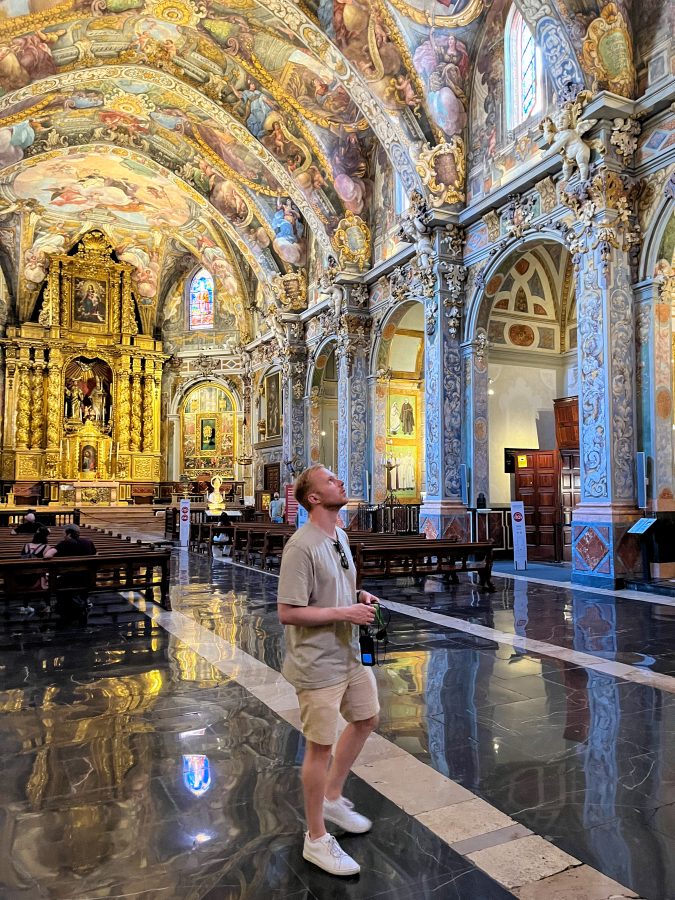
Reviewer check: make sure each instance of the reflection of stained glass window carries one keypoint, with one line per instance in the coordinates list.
(196, 773)
(201, 300)
(523, 71)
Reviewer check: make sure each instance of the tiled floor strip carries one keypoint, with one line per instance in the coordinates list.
(529, 866)
(587, 660)
(657, 599)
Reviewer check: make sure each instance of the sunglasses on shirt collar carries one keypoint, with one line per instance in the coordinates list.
(344, 562)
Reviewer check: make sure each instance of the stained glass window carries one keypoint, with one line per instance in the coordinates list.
(523, 71)
(201, 300)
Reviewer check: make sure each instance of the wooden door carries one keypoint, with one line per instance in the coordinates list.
(570, 495)
(272, 478)
(538, 486)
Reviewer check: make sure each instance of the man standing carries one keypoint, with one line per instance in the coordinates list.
(321, 609)
(276, 509)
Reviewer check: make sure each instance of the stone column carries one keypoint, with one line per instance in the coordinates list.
(148, 422)
(23, 400)
(55, 411)
(443, 284)
(313, 415)
(475, 416)
(602, 241)
(378, 393)
(136, 407)
(123, 403)
(351, 356)
(654, 353)
(293, 381)
(37, 401)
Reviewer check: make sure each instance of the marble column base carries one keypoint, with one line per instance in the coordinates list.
(445, 518)
(603, 554)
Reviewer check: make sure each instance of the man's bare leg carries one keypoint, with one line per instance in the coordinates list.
(314, 778)
(347, 749)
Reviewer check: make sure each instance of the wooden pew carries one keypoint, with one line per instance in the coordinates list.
(418, 556)
(248, 539)
(119, 564)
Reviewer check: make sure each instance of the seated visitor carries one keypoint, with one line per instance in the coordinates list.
(75, 545)
(37, 548)
(28, 526)
(222, 538)
(73, 603)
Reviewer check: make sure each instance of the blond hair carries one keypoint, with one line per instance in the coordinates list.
(303, 485)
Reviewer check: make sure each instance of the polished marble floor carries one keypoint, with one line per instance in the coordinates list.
(133, 767)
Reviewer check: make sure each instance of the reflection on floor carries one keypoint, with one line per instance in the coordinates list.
(134, 767)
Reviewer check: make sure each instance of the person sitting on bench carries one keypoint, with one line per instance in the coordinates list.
(29, 524)
(73, 602)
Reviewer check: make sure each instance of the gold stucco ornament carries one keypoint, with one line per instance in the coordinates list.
(442, 169)
(352, 241)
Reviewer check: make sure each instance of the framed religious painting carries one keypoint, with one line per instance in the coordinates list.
(273, 405)
(207, 435)
(90, 301)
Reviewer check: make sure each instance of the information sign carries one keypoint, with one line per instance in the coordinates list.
(184, 520)
(641, 526)
(519, 534)
(291, 505)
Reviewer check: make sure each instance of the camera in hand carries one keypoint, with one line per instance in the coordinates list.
(367, 645)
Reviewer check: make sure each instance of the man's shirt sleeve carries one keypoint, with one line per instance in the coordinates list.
(296, 576)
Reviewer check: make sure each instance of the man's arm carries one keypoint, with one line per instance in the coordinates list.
(312, 616)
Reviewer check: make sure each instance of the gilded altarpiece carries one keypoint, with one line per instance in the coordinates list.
(83, 386)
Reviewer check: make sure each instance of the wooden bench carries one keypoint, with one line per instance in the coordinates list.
(119, 564)
(143, 571)
(248, 540)
(379, 556)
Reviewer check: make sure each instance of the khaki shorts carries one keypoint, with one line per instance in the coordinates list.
(356, 699)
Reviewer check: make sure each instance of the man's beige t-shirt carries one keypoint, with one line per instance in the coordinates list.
(311, 575)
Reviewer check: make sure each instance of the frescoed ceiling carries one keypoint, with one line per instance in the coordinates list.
(264, 117)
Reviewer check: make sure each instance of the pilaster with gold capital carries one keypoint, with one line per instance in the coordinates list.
(148, 422)
(136, 406)
(54, 397)
(37, 401)
(23, 400)
(123, 403)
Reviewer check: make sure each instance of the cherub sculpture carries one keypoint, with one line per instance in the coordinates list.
(564, 132)
(330, 290)
(414, 228)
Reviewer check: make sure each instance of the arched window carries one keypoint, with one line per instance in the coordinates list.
(201, 300)
(523, 71)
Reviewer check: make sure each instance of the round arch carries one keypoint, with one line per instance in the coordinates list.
(655, 233)
(475, 318)
(191, 448)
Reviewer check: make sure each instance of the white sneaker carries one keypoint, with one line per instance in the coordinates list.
(341, 812)
(327, 854)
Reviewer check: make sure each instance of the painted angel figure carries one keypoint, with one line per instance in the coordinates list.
(565, 136)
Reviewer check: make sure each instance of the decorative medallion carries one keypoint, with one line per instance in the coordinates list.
(521, 335)
(290, 291)
(608, 52)
(442, 169)
(352, 241)
(176, 12)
